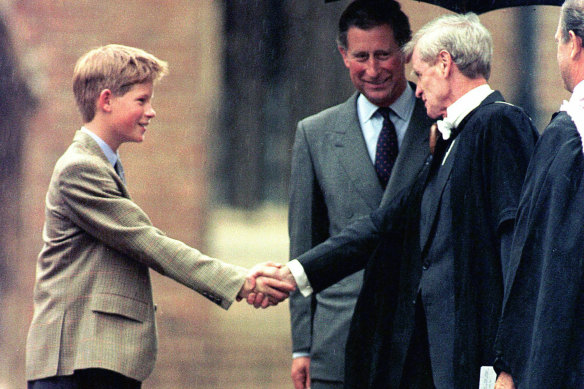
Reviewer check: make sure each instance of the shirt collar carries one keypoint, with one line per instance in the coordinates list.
(402, 107)
(464, 105)
(578, 94)
(111, 155)
(575, 108)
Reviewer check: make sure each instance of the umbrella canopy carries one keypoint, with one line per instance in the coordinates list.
(482, 6)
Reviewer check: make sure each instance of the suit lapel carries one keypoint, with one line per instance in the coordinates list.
(93, 148)
(350, 149)
(442, 173)
(413, 152)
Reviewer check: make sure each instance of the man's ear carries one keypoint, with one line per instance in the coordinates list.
(444, 63)
(345, 55)
(104, 102)
(576, 42)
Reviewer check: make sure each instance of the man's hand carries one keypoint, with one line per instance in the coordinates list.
(276, 271)
(301, 372)
(265, 286)
(504, 381)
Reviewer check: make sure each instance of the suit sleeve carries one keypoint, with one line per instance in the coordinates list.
(349, 251)
(308, 225)
(92, 200)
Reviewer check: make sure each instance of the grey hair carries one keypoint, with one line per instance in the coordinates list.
(572, 19)
(467, 41)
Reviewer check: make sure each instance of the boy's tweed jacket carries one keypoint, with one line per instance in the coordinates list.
(93, 302)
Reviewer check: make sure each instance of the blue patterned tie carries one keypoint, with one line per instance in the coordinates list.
(120, 170)
(387, 148)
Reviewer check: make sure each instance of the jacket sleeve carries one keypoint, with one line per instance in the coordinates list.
(93, 201)
(349, 251)
(308, 225)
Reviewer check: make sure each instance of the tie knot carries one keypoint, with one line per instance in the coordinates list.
(384, 111)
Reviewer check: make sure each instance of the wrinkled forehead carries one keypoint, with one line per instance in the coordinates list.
(418, 63)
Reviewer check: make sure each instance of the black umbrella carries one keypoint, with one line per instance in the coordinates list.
(482, 6)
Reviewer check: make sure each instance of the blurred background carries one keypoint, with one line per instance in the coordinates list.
(214, 168)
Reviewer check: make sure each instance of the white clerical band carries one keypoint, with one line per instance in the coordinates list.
(445, 127)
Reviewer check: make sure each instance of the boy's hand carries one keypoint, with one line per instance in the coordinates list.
(265, 285)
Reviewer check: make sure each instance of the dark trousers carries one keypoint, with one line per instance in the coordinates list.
(87, 379)
(417, 371)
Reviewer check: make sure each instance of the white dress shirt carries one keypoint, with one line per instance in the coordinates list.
(371, 122)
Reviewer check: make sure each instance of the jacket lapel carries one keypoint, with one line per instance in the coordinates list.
(350, 149)
(443, 163)
(413, 152)
(93, 148)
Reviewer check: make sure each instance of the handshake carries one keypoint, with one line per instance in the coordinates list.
(267, 284)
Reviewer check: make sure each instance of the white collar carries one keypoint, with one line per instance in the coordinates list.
(458, 110)
(575, 108)
(401, 107)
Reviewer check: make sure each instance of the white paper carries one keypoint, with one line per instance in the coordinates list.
(488, 377)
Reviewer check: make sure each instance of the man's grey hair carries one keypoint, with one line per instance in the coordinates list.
(572, 19)
(467, 41)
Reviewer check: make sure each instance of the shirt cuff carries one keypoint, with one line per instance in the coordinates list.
(300, 276)
(300, 355)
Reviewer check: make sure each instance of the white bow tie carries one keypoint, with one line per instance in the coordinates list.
(445, 127)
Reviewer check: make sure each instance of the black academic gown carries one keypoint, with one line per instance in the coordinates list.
(541, 336)
(495, 143)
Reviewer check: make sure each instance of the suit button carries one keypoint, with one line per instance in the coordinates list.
(426, 265)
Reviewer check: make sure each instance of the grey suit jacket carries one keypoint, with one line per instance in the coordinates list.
(333, 182)
(93, 298)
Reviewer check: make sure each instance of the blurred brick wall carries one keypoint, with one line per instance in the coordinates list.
(166, 174)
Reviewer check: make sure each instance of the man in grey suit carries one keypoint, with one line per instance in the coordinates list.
(335, 180)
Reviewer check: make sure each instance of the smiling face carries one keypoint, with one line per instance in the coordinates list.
(431, 86)
(376, 64)
(131, 113)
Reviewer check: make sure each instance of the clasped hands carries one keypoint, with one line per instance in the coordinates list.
(267, 284)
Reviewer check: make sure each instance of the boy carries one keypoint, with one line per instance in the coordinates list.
(93, 323)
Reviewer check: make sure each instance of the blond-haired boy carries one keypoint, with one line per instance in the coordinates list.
(94, 323)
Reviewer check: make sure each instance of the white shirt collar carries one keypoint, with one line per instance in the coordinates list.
(464, 105)
(111, 155)
(461, 108)
(575, 108)
(402, 107)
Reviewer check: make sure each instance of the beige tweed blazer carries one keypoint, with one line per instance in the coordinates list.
(93, 298)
